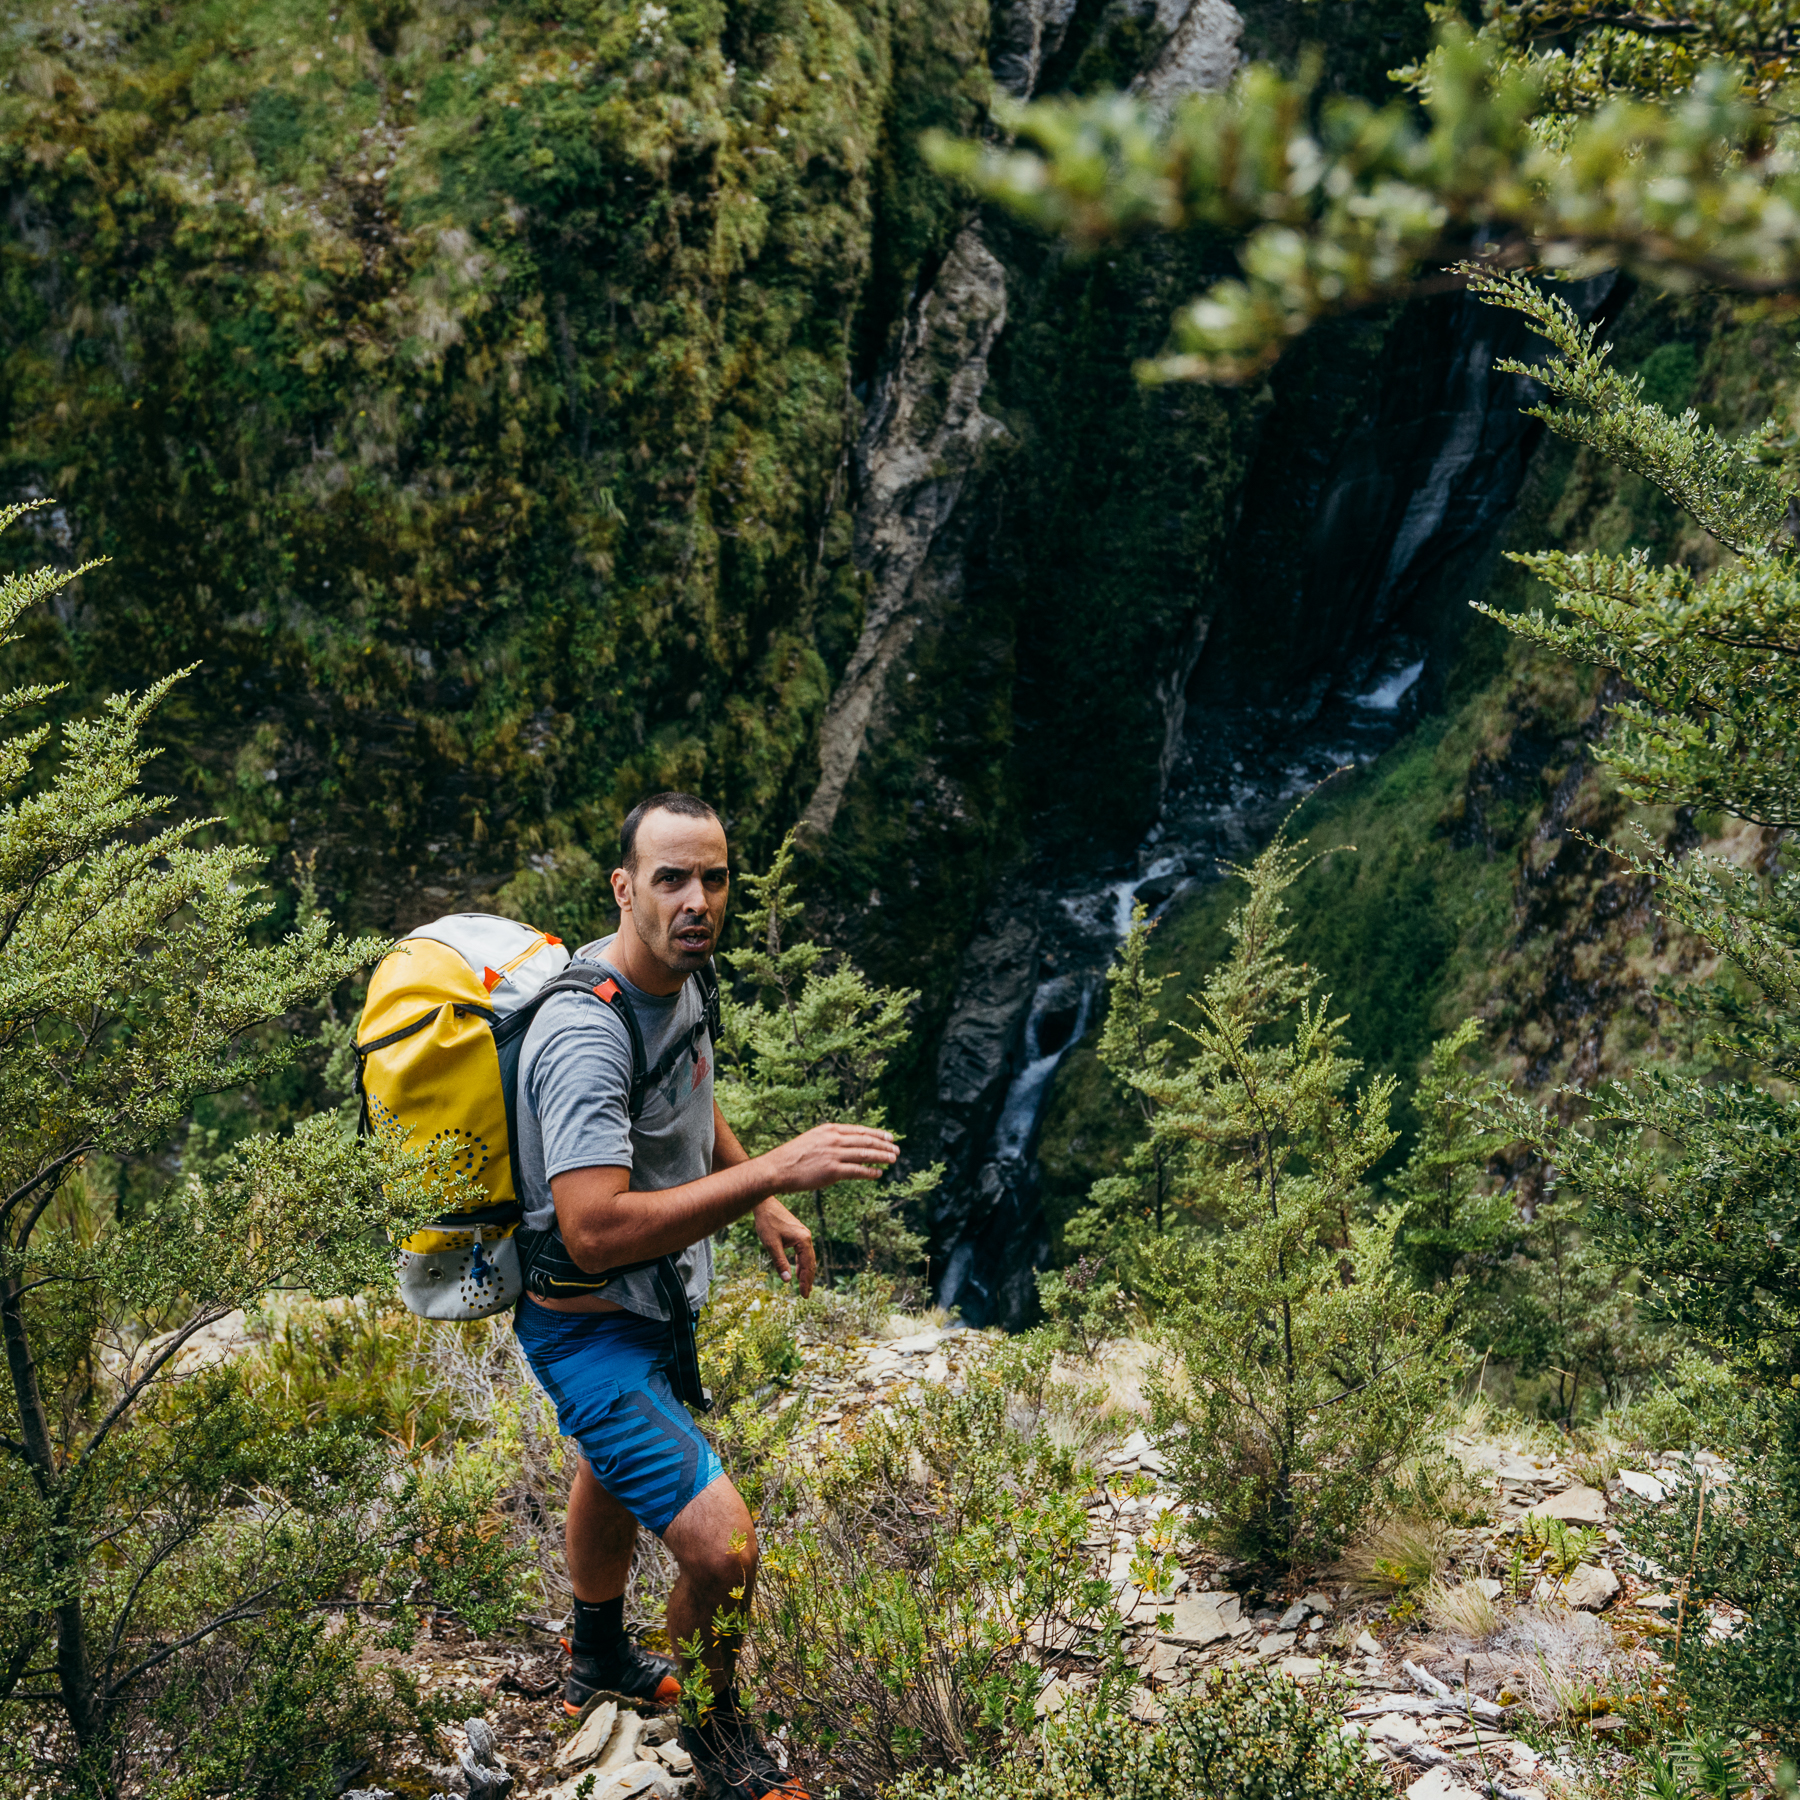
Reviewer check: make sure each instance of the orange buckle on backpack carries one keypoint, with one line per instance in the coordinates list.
(608, 990)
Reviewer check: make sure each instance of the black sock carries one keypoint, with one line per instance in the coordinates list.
(599, 1631)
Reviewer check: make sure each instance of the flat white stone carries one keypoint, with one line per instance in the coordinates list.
(1646, 1487)
(1397, 1728)
(1292, 1616)
(1143, 1706)
(636, 1778)
(1160, 1663)
(621, 1749)
(1367, 1645)
(590, 1736)
(1590, 1588)
(1317, 1602)
(1202, 1619)
(915, 1345)
(1441, 1784)
(1300, 1668)
(1574, 1506)
(1277, 1643)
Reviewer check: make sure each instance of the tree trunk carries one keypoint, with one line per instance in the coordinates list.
(75, 1673)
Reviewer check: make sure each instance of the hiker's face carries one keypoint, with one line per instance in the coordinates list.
(675, 898)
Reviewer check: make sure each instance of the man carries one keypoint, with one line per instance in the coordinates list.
(602, 1330)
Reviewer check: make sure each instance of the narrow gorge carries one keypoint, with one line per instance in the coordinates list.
(512, 413)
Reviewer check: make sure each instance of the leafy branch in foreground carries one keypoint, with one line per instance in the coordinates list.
(160, 1524)
(1689, 1173)
(1339, 203)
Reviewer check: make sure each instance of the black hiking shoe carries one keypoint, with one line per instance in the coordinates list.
(730, 1759)
(632, 1673)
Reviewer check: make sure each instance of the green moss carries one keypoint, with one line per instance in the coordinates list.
(464, 393)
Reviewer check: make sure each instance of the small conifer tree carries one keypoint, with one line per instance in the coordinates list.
(1135, 1048)
(1309, 1365)
(170, 1546)
(809, 1045)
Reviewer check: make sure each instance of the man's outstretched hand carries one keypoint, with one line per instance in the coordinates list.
(828, 1153)
(781, 1234)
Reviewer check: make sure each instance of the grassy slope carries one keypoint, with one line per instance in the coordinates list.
(1468, 891)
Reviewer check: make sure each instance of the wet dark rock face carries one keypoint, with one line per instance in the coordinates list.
(1315, 641)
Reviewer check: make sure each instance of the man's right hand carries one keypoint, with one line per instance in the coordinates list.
(828, 1153)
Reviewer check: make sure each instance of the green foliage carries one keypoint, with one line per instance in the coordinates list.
(1086, 1308)
(1687, 1170)
(1744, 1553)
(153, 1511)
(1586, 53)
(1692, 1405)
(493, 370)
(1309, 1364)
(1242, 1735)
(1337, 202)
(1450, 1223)
(1136, 1050)
(809, 1047)
(905, 1575)
(280, 1713)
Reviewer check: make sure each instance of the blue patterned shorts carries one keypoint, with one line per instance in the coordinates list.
(608, 1376)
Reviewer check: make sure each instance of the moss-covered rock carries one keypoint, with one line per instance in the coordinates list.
(462, 389)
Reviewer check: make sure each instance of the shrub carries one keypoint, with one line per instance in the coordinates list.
(1245, 1735)
(1309, 1365)
(1695, 1407)
(161, 1517)
(906, 1577)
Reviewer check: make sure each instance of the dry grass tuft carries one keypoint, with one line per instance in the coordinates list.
(1566, 1659)
(1121, 1371)
(1402, 1551)
(1462, 1610)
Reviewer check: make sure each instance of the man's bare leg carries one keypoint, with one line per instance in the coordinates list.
(599, 1536)
(713, 1542)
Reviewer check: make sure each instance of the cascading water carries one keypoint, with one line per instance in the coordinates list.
(1240, 773)
(1321, 668)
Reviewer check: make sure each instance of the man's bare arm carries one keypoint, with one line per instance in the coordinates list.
(605, 1225)
(727, 1151)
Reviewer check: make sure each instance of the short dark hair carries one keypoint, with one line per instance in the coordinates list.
(688, 806)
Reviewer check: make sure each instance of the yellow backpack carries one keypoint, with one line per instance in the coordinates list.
(437, 1058)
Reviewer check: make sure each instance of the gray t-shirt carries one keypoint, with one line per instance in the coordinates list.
(574, 1112)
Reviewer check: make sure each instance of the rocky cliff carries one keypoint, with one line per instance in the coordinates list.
(509, 413)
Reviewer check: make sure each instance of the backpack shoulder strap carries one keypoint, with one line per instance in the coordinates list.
(707, 978)
(599, 981)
